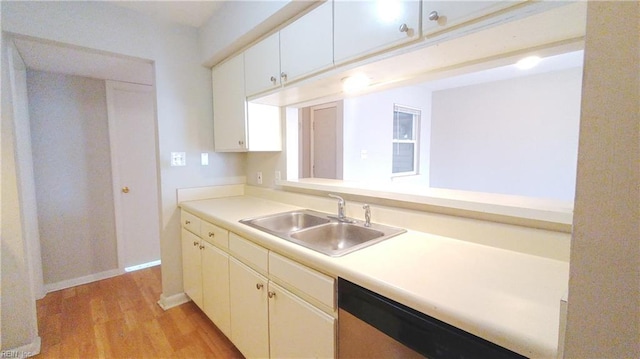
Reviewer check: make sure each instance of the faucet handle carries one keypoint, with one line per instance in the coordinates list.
(336, 197)
(367, 215)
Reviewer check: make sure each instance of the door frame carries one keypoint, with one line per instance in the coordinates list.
(338, 105)
(116, 176)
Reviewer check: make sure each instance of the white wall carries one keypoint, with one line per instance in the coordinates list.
(368, 125)
(18, 321)
(71, 153)
(604, 284)
(183, 89)
(517, 136)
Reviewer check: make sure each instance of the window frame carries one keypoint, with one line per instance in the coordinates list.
(417, 115)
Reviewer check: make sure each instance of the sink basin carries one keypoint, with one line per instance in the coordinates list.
(287, 222)
(335, 237)
(322, 232)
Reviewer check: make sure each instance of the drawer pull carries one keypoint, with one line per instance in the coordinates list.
(195, 243)
(271, 294)
(187, 222)
(201, 247)
(259, 286)
(211, 234)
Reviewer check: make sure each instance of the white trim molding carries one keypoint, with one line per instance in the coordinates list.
(52, 287)
(171, 301)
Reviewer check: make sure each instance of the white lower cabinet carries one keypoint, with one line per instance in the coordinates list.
(192, 267)
(269, 321)
(228, 277)
(249, 310)
(215, 287)
(297, 329)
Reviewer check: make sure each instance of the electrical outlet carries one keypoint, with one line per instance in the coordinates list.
(204, 159)
(259, 177)
(178, 159)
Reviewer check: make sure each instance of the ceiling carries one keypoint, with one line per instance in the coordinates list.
(191, 13)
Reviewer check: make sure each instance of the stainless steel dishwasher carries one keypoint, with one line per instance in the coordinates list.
(373, 326)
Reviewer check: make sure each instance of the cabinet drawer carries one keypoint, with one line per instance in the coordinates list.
(214, 234)
(251, 254)
(315, 284)
(190, 222)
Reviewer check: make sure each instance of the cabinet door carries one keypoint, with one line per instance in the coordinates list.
(441, 15)
(364, 27)
(191, 267)
(215, 287)
(229, 106)
(297, 329)
(262, 65)
(306, 45)
(249, 310)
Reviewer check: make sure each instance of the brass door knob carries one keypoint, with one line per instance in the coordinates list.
(125, 189)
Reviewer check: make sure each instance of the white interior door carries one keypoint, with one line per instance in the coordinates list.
(131, 111)
(324, 141)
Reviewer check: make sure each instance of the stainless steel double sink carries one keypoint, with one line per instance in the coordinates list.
(322, 232)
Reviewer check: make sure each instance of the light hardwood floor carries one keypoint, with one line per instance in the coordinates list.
(119, 318)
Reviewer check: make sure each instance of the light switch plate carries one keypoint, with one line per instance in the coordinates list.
(204, 159)
(178, 159)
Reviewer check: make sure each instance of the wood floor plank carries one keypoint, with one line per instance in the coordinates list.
(119, 318)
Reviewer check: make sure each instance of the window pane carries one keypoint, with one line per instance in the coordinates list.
(402, 126)
(403, 157)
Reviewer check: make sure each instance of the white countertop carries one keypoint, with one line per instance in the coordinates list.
(509, 298)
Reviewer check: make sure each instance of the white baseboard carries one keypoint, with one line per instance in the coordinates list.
(143, 266)
(25, 351)
(172, 300)
(52, 287)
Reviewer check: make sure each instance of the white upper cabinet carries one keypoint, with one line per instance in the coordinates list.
(237, 125)
(262, 65)
(306, 45)
(442, 15)
(365, 27)
(229, 106)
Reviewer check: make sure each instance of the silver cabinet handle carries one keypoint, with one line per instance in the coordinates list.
(273, 79)
(283, 75)
(271, 294)
(404, 28)
(433, 16)
(259, 286)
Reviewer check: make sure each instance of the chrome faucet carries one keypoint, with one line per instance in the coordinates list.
(367, 215)
(341, 204)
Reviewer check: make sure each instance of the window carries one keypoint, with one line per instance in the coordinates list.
(406, 123)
